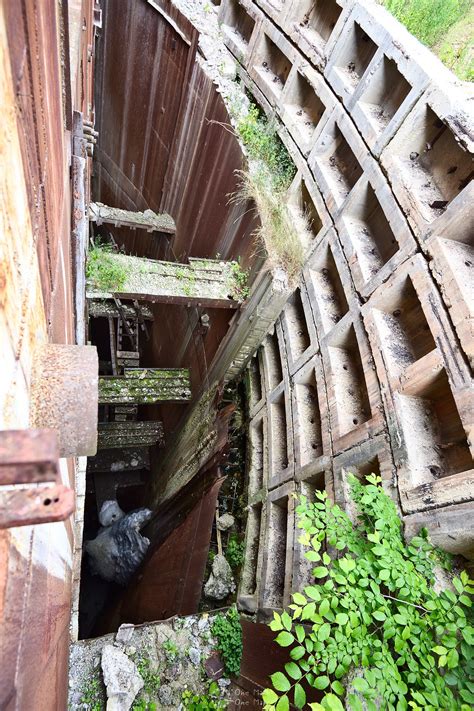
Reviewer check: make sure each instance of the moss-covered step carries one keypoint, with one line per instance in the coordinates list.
(147, 220)
(202, 282)
(113, 435)
(146, 386)
(104, 308)
(116, 461)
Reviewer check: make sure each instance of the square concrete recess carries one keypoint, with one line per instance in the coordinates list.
(270, 62)
(273, 347)
(307, 209)
(311, 432)
(298, 329)
(429, 161)
(277, 564)
(336, 159)
(276, 9)
(302, 567)
(450, 243)
(305, 100)
(238, 19)
(373, 230)
(426, 386)
(352, 387)
(446, 527)
(314, 25)
(280, 438)
(247, 596)
(258, 455)
(374, 69)
(255, 384)
(371, 457)
(329, 284)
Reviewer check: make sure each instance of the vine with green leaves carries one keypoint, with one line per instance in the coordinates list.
(372, 632)
(228, 633)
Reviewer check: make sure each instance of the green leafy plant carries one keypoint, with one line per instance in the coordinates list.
(92, 696)
(228, 633)
(146, 700)
(262, 142)
(171, 650)
(103, 270)
(235, 551)
(372, 628)
(204, 702)
(239, 289)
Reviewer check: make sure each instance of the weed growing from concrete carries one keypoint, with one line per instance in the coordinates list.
(239, 289)
(204, 702)
(171, 651)
(235, 552)
(228, 633)
(92, 696)
(371, 630)
(103, 271)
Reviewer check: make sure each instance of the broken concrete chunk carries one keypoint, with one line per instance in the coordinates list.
(125, 633)
(195, 656)
(121, 678)
(225, 521)
(221, 581)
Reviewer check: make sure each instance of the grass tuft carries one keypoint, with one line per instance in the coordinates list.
(103, 271)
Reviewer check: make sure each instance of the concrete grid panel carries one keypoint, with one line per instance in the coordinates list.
(448, 528)
(374, 232)
(258, 457)
(355, 407)
(429, 160)
(314, 26)
(306, 101)
(336, 159)
(250, 579)
(238, 20)
(426, 387)
(307, 209)
(280, 436)
(273, 360)
(371, 457)
(277, 560)
(308, 485)
(255, 384)
(329, 285)
(299, 330)
(270, 61)
(372, 68)
(276, 9)
(450, 244)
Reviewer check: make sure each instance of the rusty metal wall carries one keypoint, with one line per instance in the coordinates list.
(35, 307)
(162, 146)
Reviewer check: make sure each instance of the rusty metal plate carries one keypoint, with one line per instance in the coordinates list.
(28, 456)
(26, 507)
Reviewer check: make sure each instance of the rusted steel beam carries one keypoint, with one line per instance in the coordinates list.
(28, 456)
(148, 220)
(146, 385)
(202, 282)
(113, 435)
(27, 507)
(103, 308)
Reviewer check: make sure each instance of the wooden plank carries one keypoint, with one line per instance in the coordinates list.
(114, 435)
(202, 282)
(28, 456)
(147, 220)
(146, 386)
(27, 507)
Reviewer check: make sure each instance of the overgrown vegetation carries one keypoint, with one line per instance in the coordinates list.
(235, 551)
(372, 630)
(204, 702)
(228, 633)
(443, 25)
(92, 696)
(102, 270)
(265, 183)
